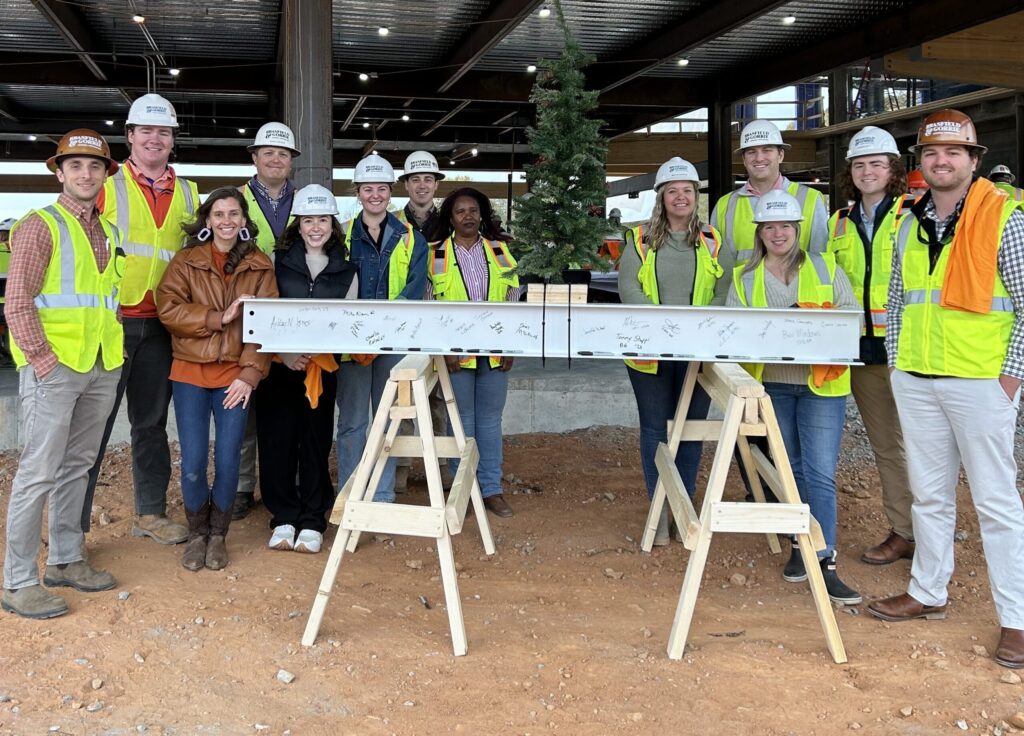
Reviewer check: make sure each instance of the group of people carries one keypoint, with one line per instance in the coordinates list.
(939, 278)
(128, 286)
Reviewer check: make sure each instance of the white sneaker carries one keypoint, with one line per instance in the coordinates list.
(283, 537)
(309, 541)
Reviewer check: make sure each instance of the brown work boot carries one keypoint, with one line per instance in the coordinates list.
(895, 547)
(1010, 652)
(904, 607)
(198, 530)
(216, 547)
(159, 528)
(80, 576)
(35, 601)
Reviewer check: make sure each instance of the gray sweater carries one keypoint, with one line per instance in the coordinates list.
(781, 296)
(676, 267)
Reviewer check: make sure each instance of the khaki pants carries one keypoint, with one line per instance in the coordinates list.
(873, 393)
(62, 421)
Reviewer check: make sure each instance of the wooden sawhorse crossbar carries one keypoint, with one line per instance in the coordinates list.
(748, 412)
(406, 397)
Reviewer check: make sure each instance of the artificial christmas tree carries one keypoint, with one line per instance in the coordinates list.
(558, 222)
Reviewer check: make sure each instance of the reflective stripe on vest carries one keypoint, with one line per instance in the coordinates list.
(265, 238)
(397, 277)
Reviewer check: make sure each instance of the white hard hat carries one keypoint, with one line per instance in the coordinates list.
(675, 169)
(761, 133)
(7, 224)
(777, 205)
(152, 109)
(374, 169)
(278, 135)
(1002, 169)
(870, 141)
(421, 162)
(314, 199)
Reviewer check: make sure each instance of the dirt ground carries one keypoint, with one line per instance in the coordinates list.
(567, 627)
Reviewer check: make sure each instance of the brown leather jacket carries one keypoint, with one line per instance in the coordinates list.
(191, 298)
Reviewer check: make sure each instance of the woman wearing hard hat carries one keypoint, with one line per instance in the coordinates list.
(861, 238)
(295, 421)
(809, 401)
(391, 261)
(470, 263)
(672, 259)
(214, 371)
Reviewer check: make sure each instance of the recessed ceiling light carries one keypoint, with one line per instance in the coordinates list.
(138, 18)
(174, 71)
(242, 131)
(532, 68)
(474, 151)
(544, 12)
(32, 137)
(405, 118)
(366, 125)
(109, 122)
(383, 31)
(683, 62)
(451, 162)
(789, 20)
(363, 76)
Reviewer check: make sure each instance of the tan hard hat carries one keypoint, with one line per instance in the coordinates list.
(947, 127)
(82, 142)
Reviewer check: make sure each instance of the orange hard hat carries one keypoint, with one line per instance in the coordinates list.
(947, 127)
(915, 180)
(82, 142)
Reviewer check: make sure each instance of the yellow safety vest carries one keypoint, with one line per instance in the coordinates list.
(1015, 193)
(736, 219)
(870, 281)
(265, 238)
(5, 263)
(149, 248)
(450, 286)
(708, 271)
(77, 304)
(814, 285)
(947, 342)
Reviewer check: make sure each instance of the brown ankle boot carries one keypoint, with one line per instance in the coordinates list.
(216, 549)
(198, 530)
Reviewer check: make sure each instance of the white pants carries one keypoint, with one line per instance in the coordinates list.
(946, 421)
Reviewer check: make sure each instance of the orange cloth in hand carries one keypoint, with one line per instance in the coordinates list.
(971, 272)
(363, 359)
(314, 381)
(822, 373)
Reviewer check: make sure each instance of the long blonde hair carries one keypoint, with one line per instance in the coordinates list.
(792, 261)
(658, 227)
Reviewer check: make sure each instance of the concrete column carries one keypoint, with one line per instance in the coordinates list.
(308, 85)
(838, 112)
(719, 151)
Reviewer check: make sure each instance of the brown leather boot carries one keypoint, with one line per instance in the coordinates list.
(895, 547)
(198, 530)
(216, 548)
(1010, 652)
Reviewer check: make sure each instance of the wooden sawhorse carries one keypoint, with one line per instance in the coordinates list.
(748, 412)
(406, 397)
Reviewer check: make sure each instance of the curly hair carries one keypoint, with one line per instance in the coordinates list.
(242, 248)
(444, 227)
(897, 180)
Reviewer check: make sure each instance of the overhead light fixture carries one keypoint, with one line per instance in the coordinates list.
(138, 18)
(683, 62)
(451, 162)
(109, 122)
(174, 71)
(474, 151)
(364, 77)
(366, 125)
(789, 20)
(532, 68)
(383, 31)
(242, 131)
(32, 137)
(544, 12)
(405, 118)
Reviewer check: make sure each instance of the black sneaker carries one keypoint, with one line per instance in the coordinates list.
(794, 571)
(838, 591)
(244, 503)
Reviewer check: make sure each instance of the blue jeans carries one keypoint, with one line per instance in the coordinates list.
(480, 395)
(357, 385)
(656, 397)
(193, 406)
(812, 428)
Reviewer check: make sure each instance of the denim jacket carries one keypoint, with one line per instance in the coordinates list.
(373, 266)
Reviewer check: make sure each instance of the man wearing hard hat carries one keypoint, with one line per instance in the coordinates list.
(955, 342)
(1003, 178)
(763, 151)
(62, 307)
(392, 260)
(149, 203)
(269, 195)
(861, 238)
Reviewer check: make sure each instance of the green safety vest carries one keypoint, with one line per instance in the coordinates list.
(736, 219)
(77, 304)
(450, 286)
(1015, 193)
(870, 281)
(265, 238)
(148, 248)
(5, 263)
(938, 341)
(814, 285)
(707, 274)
